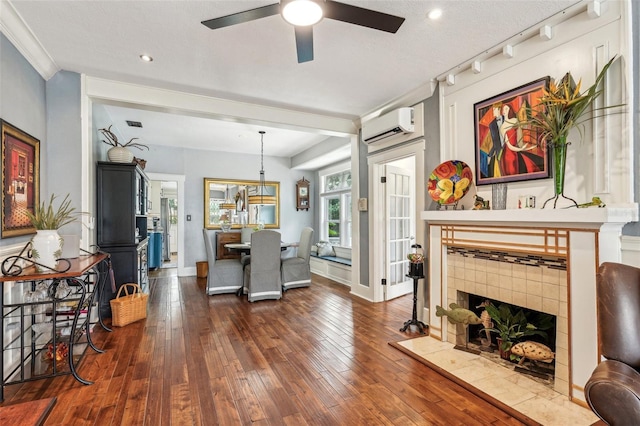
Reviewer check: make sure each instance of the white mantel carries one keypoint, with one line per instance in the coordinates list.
(586, 237)
(592, 216)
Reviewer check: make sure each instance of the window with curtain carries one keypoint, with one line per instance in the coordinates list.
(335, 200)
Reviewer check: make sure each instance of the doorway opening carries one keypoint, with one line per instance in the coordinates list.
(163, 224)
(166, 223)
(395, 176)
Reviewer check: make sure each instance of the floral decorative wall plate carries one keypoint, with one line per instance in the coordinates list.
(450, 181)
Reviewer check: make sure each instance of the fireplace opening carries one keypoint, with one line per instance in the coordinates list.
(532, 331)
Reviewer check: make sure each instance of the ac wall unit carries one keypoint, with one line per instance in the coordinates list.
(387, 125)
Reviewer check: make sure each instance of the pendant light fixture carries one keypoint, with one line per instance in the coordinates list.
(228, 204)
(263, 196)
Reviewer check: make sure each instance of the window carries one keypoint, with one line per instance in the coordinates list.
(335, 199)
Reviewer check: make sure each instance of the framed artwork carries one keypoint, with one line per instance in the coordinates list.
(20, 180)
(504, 150)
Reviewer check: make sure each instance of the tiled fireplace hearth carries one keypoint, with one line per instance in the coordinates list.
(529, 281)
(545, 260)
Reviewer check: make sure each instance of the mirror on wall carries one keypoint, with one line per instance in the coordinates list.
(239, 203)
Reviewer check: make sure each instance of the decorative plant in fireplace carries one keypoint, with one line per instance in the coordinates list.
(511, 327)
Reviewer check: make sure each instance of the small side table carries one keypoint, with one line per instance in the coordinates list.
(414, 317)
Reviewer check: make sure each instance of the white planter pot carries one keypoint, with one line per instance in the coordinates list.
(119, 154)
(46, 249)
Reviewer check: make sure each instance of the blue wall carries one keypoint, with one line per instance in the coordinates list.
(64, 130)
(23, 104)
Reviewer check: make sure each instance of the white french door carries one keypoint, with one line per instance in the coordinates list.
(400, 229)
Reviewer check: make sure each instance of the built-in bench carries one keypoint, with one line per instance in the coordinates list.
(337, 268)
(342, 260)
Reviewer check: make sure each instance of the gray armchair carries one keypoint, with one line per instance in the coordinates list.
(613, 390)
(295, 270)
(225, 276)
(262, 274)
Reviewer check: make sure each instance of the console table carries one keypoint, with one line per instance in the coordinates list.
(46, 320)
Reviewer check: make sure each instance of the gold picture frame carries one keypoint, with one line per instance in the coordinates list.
(20, 180)
(240, 203)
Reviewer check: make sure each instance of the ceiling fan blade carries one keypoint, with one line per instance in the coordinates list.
(304, 43)
(363, 17)
(240, 17)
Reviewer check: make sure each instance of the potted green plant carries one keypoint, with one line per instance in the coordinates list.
(563, 107)
(119, 152)
(46, 245)
(511, 327)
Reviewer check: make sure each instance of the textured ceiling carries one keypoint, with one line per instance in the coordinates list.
(356, 69)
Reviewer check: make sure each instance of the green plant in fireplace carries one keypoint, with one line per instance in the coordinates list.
(511, 325)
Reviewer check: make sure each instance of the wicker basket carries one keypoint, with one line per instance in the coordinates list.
(129, 307)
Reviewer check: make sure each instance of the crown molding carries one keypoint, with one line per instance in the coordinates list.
(19, 34)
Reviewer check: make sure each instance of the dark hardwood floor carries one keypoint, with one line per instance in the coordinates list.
(317, 357)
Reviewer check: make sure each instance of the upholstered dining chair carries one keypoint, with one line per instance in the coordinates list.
(225, 275)
(613, 390)
(262, 274)
(295, 270)
(245, 237)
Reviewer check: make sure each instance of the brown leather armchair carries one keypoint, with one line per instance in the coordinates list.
(613, 390)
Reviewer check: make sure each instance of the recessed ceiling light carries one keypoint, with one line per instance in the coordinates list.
(434, 14)
(146, 58)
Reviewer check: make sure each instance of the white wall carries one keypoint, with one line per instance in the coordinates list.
(631, 250)
(599, 165)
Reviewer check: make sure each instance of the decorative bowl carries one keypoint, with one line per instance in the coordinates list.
(450, 181)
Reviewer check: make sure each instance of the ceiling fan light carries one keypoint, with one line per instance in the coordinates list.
(435, 14)
(302, 12)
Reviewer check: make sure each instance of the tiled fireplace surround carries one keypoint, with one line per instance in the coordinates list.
(530, 281)
(572, 242)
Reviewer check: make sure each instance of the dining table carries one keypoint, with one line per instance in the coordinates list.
(245, 248)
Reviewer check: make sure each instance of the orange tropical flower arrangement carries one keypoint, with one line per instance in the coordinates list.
(563, 106)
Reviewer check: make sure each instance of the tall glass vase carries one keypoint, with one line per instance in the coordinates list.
(559, 166)
(559, 150)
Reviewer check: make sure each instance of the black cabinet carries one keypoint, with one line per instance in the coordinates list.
(122, 225)
(129, 266)
(121, 203)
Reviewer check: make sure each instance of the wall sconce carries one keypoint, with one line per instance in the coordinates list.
(476, 67)
(594, 9)
(451, 79)
(546, 32)
(507, 51)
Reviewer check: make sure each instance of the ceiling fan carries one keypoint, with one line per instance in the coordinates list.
(303, 14)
